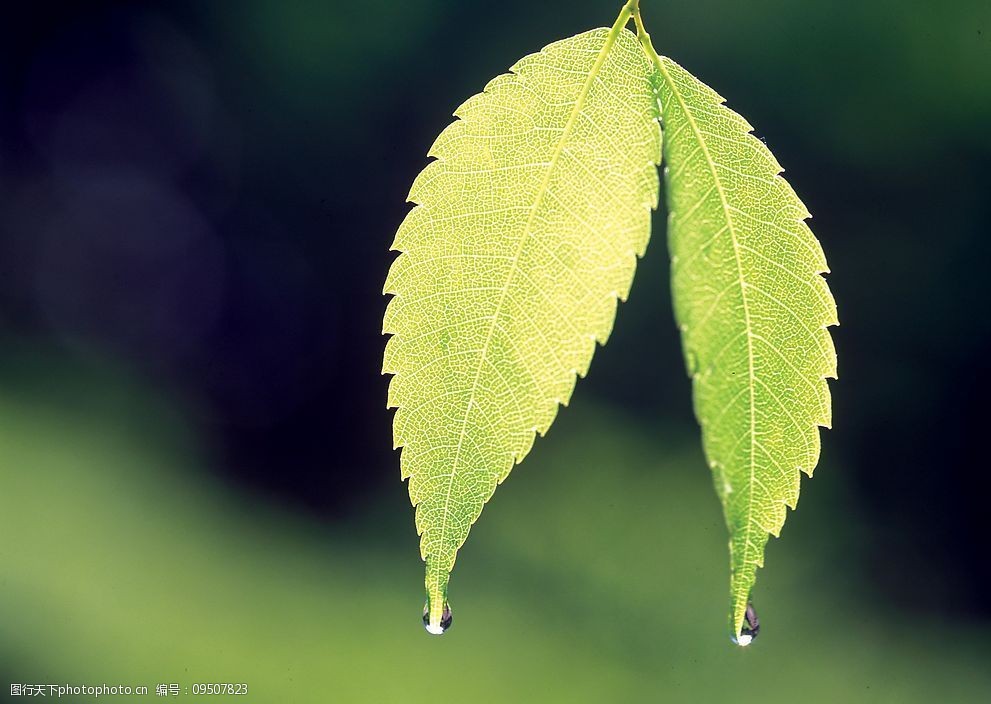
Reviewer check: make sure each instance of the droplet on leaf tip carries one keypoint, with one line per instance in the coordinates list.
(751, 627)
(446, 619)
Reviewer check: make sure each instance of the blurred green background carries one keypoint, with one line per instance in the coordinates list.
(598, 575)
(196, 481)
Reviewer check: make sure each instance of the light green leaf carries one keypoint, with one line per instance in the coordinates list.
(526, 232)
(753, 311)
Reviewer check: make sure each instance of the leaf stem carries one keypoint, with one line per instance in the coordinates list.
(642, 34)
(631, 8)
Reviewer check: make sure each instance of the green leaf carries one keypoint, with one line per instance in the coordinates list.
(526, 232)
(753, 311)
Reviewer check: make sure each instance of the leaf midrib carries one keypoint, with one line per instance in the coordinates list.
(514, 267)
(743, 294)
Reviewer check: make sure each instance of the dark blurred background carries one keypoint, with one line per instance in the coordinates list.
(197, 201)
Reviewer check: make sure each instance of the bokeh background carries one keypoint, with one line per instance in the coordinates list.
(196, 205)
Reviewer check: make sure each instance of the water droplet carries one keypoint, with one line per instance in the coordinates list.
(751, 627)
(446, 619)
(692, 362)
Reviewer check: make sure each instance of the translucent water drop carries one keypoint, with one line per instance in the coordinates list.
(692, 362)
(446, 619)
(750, 629)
